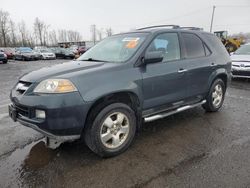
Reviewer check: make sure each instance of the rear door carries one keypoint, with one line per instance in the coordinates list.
(197, 63)
(164, 82)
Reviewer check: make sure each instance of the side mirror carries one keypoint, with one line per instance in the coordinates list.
(153, 57)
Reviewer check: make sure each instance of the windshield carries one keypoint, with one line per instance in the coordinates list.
(46, 51)
(117, 48)
(25, 50)
(243, 50)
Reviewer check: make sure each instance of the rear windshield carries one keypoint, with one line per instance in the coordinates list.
(118, 48)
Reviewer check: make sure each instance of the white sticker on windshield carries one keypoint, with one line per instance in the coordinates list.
(128, 39)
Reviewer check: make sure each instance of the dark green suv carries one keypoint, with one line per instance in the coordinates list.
(124, 80)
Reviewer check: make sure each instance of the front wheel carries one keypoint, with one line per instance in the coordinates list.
(112, 130)
(215, 96)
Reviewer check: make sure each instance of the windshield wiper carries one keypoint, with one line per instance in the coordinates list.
(92, 59)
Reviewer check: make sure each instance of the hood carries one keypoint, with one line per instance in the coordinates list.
(240, 58)
(28, 53)
(60, 69)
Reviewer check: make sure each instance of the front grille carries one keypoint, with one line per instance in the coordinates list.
(241, 73)
(22, 86)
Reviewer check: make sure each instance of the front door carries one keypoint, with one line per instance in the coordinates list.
(164, 83)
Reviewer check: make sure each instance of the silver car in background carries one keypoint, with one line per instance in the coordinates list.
(241, 62)
(46, 53)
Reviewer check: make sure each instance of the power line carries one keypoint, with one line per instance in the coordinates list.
(178, 17)
(233, 6)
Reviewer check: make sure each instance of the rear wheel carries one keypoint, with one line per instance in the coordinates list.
(215, 96)
(112, 130)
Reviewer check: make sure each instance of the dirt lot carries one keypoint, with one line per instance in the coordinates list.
(189, 149)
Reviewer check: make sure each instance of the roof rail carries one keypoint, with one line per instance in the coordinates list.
(155, 26)
(192, 28)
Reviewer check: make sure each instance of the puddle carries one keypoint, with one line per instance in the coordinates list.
(24, 161)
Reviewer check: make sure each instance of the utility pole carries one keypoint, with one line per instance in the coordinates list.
(93, 30)
(212, 20)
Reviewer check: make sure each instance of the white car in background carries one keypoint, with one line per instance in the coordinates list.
(241, 62)
(46, 53)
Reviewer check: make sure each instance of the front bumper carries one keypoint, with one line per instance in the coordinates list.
(30, 58)
(240, 72)
(65, 114)
(49, 57)
(3, 59)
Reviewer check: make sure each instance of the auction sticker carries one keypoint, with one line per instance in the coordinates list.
(131, 42)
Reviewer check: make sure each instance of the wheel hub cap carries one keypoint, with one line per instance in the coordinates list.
(114, 130)
(217, 95)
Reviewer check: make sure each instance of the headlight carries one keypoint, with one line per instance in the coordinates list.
(55, 86)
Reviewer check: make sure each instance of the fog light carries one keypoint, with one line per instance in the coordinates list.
(40, 114)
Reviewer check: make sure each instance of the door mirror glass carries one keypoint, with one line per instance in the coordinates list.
(153, 57)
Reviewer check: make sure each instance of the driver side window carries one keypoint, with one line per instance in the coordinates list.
(168, 44)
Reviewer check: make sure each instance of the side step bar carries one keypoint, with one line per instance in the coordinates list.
(163, 115)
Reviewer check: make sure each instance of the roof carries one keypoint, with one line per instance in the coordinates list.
(167, 28)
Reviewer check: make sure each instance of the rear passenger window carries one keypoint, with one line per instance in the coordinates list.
(168, 44)
(193, 45)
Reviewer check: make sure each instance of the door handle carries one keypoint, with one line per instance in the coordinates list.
(182, 70)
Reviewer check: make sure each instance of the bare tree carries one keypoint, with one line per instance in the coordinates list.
(53, 38)
(45, 35)
(13, 36)
(73, 36)
(109, 32)
(62, 35)
(4, 26)
(23, 32)
(40, 30)
(30, 39)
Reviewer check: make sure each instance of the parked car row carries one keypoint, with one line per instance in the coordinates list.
(3, 57)
(42, 52)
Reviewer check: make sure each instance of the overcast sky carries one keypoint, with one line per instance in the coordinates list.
(231, 15)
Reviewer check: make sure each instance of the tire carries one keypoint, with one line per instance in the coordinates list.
(215, 97)
(115, 142)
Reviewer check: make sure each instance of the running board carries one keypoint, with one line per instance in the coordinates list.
(163, 115)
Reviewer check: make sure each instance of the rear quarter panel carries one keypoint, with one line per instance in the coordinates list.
(219, 56)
